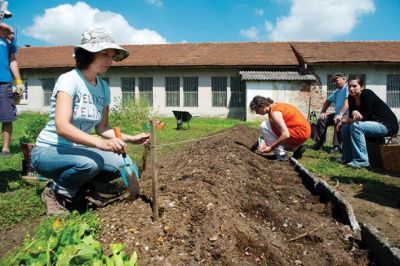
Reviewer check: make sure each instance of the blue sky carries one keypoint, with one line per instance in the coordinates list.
(58, 22)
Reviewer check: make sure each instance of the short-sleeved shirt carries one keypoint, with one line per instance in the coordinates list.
(338, 97)
(88, 102)
(297, 124)
(6, 49)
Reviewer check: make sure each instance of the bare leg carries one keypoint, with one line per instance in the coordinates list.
(6, 134)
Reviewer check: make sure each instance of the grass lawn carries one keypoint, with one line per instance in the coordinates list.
(324, 165)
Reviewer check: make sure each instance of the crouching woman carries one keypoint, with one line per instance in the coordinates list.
(369, 117)
(65, 150)
(286, 128)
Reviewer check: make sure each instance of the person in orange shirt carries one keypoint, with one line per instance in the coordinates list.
(287, 128)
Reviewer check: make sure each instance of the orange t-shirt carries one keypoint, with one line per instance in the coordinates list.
(297, 124)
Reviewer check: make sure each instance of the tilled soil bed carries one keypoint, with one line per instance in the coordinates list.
(222, 204)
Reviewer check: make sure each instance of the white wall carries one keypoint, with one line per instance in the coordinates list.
(279, 91)
(284, 91)
(205, 108)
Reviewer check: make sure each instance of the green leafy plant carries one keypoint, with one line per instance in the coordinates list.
(32, 129)
(130, 114)
(68, 240)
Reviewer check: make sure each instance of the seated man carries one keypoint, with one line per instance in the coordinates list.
(339, 98)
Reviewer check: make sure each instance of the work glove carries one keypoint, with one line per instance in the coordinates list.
(18, 90)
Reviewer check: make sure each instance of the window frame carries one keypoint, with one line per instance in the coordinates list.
(47, 90)
(146, 89)
(191, 91)
(238, 92)
(393, 91)
(127, 89)
(172, 91)
(219, 90)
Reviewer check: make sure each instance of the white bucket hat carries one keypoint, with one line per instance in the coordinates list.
(97, 39)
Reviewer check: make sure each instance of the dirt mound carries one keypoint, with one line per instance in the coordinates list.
(223, 204)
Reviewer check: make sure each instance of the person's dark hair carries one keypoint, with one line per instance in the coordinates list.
(260, 101)
(359, 80)
(83, 58)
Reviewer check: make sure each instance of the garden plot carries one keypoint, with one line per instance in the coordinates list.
(220, 203)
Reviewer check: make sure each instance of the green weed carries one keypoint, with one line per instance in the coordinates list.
(130, 115)
(68, 240)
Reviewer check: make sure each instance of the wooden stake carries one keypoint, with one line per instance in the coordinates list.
(154, 168)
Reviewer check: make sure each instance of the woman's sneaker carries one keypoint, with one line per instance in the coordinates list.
(280, 157)
(356, 165)
(55, 204)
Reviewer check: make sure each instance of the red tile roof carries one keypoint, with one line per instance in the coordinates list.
(338, 52)
(225, 54)
(185, 54)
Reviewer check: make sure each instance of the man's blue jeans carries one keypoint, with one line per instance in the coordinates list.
(354, 148)
(71, 167)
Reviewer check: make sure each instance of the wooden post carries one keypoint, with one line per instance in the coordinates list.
(154, 168)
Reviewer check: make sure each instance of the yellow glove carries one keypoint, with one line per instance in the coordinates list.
(19, 86)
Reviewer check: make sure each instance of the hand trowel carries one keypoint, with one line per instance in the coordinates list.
(129, 173)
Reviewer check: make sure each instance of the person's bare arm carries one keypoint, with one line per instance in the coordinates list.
(14, 67)
(7, 32)
(343, 110)
(65, 129)
(325, 107)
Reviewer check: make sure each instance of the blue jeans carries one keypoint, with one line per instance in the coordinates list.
(71, 167)
(354, 146)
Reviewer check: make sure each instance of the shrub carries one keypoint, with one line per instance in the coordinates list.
(32, 129)
(132, 114)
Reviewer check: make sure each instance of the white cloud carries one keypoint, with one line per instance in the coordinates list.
(64, 24)
(251, 33)
(155, 2)
(268, 26)
(319, 19)
(259, 11)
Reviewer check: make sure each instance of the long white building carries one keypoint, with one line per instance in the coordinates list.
(220, 79)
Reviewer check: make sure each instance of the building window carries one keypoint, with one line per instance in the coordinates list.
(146, 89)
(238, 92)
(330, 86)
(48, 86)
(219, 91)
(128, 89)
(172, 85)
(190, 91)
(393, 91)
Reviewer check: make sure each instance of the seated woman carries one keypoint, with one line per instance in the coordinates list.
(287, 128)
(369, 117)
(65, 150)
